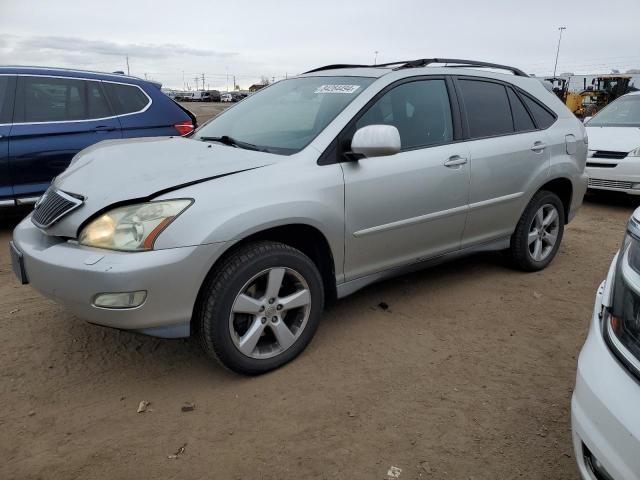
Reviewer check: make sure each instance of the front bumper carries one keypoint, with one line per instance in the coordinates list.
(617, 176)
(604, 408)
(73, 275)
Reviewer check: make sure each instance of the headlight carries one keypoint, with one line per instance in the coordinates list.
(134, 227)
(634, 153)
(622, 322)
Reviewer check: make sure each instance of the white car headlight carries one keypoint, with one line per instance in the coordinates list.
(133, 227)
(634, 153)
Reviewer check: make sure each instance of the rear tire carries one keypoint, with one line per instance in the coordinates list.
(539, 231)
(260, 307)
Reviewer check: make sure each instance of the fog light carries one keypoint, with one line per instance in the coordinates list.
(594, 464)
(635, 186)
(120, 300)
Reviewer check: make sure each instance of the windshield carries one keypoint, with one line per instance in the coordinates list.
(624, 112)
(288, 115)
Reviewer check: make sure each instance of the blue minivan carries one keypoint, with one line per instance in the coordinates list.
(47, 115)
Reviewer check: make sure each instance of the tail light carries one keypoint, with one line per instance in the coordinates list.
(184, 128)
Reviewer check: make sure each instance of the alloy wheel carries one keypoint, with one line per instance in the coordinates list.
(270, 312)
(543, 232)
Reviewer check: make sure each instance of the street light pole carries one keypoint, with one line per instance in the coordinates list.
(375, 58)
(558, 51)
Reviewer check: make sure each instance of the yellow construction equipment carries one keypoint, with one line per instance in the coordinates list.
(603, 90)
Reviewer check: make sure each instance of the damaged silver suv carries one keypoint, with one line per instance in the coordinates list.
(305, 192)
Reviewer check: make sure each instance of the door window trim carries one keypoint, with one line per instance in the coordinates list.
(332, 153)
(519, 93)
(147, 106)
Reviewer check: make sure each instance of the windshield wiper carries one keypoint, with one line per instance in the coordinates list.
(232, 142)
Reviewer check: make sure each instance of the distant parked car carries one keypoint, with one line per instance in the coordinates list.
(226, 97)
(48, 115)
(210, 96)
(232, 97)
(604, 409)
(613, 162)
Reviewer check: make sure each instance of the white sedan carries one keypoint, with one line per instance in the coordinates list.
(613, 161)
(605, 408)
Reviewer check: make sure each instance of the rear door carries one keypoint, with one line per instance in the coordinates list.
(508, 155)
(55, 118)
(7, 88)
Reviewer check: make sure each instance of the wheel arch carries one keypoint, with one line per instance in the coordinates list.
(301, 236)
(563, 188)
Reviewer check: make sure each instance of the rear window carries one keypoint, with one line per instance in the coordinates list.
(126, 98)
(543, 117)
(521, 119)
(487, 107)
(48, 99)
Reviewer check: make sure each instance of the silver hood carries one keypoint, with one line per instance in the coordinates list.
(116, 171)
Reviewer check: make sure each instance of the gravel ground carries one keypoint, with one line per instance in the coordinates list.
(466, 375)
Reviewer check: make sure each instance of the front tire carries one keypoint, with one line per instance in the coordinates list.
(260, 307)
(539, 231)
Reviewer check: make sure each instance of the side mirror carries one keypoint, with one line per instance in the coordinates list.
(376, 141)
(586, 119)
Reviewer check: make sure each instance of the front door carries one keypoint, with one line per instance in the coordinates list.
(407, 207)
(54, 119)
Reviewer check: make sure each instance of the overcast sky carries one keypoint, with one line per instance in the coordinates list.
(275, 38)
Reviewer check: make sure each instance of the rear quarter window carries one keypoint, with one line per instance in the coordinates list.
(544, 118)
(126, 98)
(522, 121)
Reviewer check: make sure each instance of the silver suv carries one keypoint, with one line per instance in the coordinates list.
(305, 192)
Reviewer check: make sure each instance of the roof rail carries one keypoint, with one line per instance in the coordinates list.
(337, 66)
(423, 62)
(461, 63)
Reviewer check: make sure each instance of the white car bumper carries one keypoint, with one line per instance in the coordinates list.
(621, 175)
(605, 409)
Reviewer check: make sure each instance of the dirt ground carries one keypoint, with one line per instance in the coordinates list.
(467, 375)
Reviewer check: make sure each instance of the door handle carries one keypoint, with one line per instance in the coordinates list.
(455, 161)
(104, 128)
(538, 147)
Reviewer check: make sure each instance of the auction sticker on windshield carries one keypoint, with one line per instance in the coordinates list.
(337, 88)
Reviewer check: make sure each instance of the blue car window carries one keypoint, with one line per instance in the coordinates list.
(126, 98)
(47, 99)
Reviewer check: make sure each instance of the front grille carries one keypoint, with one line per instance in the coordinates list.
(52, 206)
(608, 154)
(596, 182)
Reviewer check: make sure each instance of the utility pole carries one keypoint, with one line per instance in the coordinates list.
(127, 64)
(558, 51)
(234, 82)
(203, 82)
(196, 80)
(375, 58)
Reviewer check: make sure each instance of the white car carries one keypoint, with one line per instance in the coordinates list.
(226, 97)
(605, 408)
(613, 161)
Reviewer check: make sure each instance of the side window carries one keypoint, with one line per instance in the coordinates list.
(47, 99)
(126, 98)
(487, 107)
(543, 117)
(6, 96)
(522, 121)
(420, 111)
